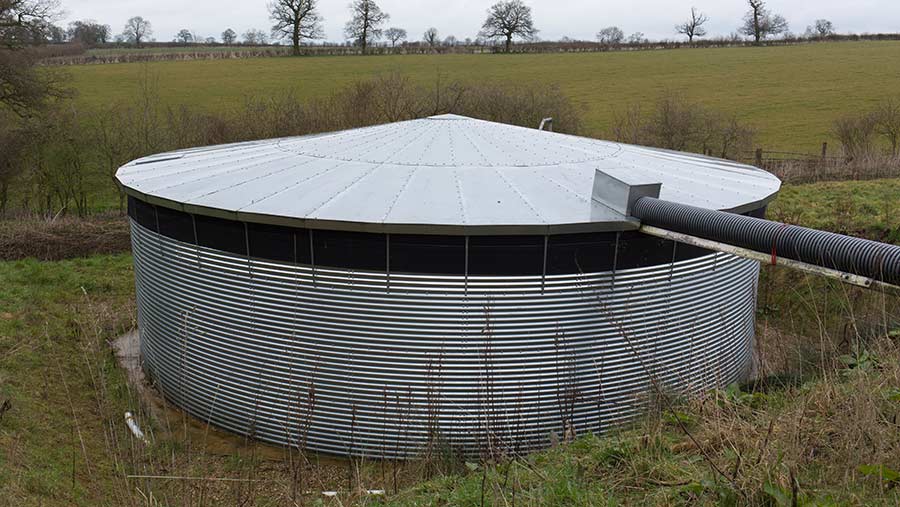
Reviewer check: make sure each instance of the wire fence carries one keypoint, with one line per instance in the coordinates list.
(798, 168)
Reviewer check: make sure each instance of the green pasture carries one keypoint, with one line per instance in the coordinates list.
(790, 94)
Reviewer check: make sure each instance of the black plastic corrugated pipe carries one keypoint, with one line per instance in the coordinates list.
(862, 257)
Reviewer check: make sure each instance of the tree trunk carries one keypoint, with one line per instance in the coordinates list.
(757, 33)
(4, 197)
(364, 38)
(295, 40)
(508, 43)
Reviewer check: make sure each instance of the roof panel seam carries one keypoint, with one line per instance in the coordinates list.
(516, 190)
(336, 165)
(214, 175)
(257, 178)
(357, 180)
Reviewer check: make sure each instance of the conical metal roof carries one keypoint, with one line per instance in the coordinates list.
(445, 174)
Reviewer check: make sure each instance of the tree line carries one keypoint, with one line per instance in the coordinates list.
(298, 22)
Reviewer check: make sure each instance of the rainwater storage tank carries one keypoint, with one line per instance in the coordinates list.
(444, 283)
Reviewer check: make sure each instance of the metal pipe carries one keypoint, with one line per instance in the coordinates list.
(868, 259)
(859, 281)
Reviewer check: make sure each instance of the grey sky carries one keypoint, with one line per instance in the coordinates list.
(462, 18)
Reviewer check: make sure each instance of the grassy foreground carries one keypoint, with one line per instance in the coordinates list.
(821, 430)
(791, 94)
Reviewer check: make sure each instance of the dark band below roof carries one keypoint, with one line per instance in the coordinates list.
(533, 255)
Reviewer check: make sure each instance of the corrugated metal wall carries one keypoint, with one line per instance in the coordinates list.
(366, 364)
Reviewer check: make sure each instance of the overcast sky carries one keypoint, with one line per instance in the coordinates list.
(579, 19)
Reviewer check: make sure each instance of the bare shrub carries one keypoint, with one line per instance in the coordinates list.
(114, 145)
(628, 125)
(395, 97)
(12, 146)
(189, 128)
(56, 162)
(676, 123)
(523, 105)
(859, 134)
(856, 135)
(267, 117)
(887, 124)
(732, 138)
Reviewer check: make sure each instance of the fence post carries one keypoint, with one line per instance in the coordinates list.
(824, 150)
(759, 158)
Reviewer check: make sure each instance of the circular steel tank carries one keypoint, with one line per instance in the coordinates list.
(440, 285)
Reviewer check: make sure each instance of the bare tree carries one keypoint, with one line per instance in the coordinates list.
(694, 26)
(24, 21)
(23, 87)
(254, 37)
(395, 35)
(451, 41)
(821, 28)
(296, 21)
(760, 23)
(88, 32)
(611, 36)
(137, 29)
(638, 38)
(184, 36)
(228, 37)
(365, 25)
(432, 37)
(56, 34)
(507, 20)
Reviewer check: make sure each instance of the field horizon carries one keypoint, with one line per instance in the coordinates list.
(791, 95)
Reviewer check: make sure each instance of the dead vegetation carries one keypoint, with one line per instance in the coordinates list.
(675, 123)
(869, 142)
(869, 149)
(61, 238)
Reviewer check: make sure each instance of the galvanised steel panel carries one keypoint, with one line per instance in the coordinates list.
(361, 363)
(441, 175)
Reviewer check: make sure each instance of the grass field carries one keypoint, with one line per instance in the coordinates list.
(63, 440)
(791, 94)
